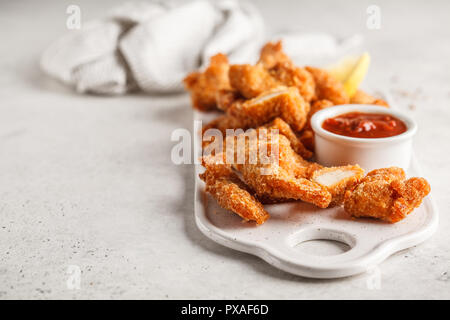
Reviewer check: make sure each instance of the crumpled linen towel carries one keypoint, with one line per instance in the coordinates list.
(151, 46)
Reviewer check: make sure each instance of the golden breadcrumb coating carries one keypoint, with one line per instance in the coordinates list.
(291, 76)
(307, 134)
(226, 97)
(319, 105)
(361, 97)
(315, 107)
(224, 122)
(251, 80)
(385, 194)
(307, 139)
(271, 54)
(285, 179)
(285, 176)
(221, 123)
(203, 86)
(274, 68)
(231, 194)
(281, 67)
(282, 102)
(337, 180)
(327, 87)
(286, 130)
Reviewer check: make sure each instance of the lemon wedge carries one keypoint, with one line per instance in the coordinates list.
(351, 72)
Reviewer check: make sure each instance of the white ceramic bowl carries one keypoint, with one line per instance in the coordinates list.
(335, 150)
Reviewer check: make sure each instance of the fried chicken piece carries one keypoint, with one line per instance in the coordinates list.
(225, 122)
(282, 102)
(307, 135)
(286, 179)
(203, 86)
(271, 54)
(386, 195)
(291, 76)
(362, 97)
(286, 130)
(328, 87)
(274, 68)
(281, 67)
(232, 194)
(283, 174)
(251, 81)
(284, 186)
(319, 105)
(221, 123)
(307, 139)
(226, 97)
(337, 180)
(315, 107)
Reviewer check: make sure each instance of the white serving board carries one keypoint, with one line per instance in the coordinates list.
(290, 224)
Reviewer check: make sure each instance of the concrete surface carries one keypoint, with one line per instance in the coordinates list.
(87, 181)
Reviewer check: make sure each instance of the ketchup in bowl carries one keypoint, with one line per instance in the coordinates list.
(365, 125)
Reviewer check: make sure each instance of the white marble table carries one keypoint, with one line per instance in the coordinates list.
(88, 181)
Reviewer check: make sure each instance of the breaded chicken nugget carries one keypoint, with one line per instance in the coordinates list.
(284, 186)
(225, 122)
(221, 123)
(271, 54)
(285, 178)
(251, 81)
(283, 175)
(286, 130)
(385, 194)
(307, 138)
(203, 86)
(337, 180)
(274, 68)
(319, 105)
(281, 67)
(232, 194)
(226, 97)
(315, 107)
(282, 102)
(328, 87)
(291, 76)
(362, 97)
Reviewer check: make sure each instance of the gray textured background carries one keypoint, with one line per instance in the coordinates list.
(88, 181)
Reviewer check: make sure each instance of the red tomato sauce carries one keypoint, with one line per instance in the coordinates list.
(365, 125)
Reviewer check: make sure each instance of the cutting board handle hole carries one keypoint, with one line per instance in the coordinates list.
(321, 241)
(322, 247)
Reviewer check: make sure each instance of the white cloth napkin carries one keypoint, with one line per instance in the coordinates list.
(151, 46)
(317, 48)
